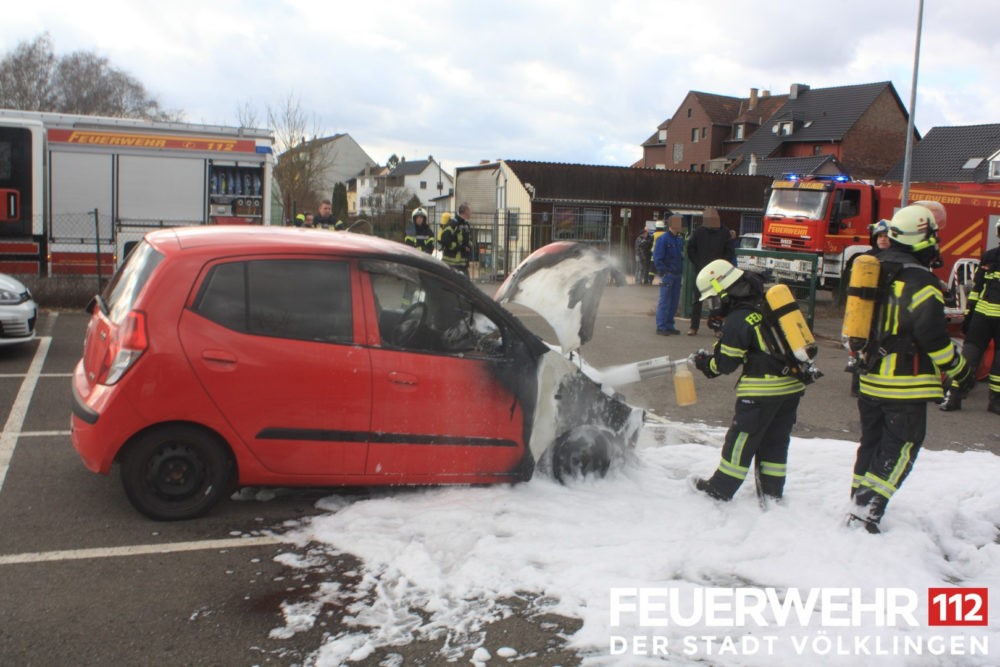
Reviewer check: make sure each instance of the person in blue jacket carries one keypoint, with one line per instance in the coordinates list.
(668, 259)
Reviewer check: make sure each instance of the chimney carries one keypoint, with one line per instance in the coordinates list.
(752, 167)
(765, 93)
(796, 90)
(753, 100)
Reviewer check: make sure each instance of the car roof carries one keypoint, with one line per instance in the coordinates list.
(226, 239)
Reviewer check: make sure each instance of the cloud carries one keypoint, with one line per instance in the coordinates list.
(564, 81)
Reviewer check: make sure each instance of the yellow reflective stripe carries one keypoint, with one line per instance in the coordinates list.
(994, 383)
(928, 292)
(943, 356)
(988, 309)
(879, 486)
(773, 469)
(857, 481)
(905, 456)
(731, 351)
(737, 472)
(738, 444)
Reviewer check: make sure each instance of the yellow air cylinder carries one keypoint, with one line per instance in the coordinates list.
(793, 325)
(860, 307)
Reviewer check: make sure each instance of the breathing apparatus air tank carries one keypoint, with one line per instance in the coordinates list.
(860, 308)
(793, 325)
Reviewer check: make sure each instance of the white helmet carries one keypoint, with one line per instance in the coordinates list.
(914, 226)
(418, 211)
(717, 276)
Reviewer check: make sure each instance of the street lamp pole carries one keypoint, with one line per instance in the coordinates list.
(904, 194)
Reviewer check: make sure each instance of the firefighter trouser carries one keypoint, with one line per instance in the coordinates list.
(761, 430)
(982, 330)
(891, 436)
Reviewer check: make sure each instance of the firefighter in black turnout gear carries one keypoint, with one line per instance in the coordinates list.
(767, 398)
(907, 350)
(980, 326)
(419, 233)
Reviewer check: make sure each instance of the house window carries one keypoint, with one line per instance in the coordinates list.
(689, 112)
(678, 152)
(785, 128)
(694, 135)
(582, 224)
(663, 136)
(738, 133)
(704, 132)
(693, 167)
(995, 168)
(423, 185)
(818, 149)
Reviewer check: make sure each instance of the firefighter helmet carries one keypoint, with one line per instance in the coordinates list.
(418, 211)
(660, 224)
(914, 227)
(717, 277)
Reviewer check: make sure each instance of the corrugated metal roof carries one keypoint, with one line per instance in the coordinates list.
(776, 166)
(631, 186)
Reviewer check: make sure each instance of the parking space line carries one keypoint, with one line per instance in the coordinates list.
(139, 550)
(18, 411)
(42, 434)
(5, 376)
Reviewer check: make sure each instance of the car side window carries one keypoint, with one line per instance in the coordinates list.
(420, 312)
(285, 298)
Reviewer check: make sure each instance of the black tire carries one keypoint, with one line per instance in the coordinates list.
(581, 453)
(176, 472)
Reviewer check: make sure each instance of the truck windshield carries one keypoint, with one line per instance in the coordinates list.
(810, 204)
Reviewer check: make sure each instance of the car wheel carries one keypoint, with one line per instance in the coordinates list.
(582, 452)
(175, 472)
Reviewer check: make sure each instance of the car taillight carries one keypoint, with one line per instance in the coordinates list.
(127, 344)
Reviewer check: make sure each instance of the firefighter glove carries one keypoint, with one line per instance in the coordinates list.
(703, 362)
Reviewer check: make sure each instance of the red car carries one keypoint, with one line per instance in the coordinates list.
(220, 357)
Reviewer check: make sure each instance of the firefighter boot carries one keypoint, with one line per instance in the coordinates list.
(994, 405)
(952, 401)
(867, 511)
(705, 486)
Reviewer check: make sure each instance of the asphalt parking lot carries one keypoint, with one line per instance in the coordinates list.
(86, 580)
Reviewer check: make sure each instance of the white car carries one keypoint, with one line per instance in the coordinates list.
(18, 312)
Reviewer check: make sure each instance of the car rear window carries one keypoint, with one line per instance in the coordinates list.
(286, 298)
(126, 285)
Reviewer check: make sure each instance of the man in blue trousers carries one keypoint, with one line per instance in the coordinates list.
(668, 259)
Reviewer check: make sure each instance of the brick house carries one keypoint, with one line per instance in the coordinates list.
(862, 126)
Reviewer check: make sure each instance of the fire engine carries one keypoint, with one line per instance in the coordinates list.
(78, 191)
(830, 215)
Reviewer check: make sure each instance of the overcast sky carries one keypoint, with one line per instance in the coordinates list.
(555, 80)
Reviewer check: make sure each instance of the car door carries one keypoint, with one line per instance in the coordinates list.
(272, 340)
(440, 410)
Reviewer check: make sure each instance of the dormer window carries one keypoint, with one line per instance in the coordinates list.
(784, 128)
(738, 131)
(663, 136)
(994, 171)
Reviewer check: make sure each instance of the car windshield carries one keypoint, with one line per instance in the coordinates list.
(787, 203)
(127, 283)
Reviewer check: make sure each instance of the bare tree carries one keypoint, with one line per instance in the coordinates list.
(246, 115)
(32, 78)
(26, 76)
(302, 164)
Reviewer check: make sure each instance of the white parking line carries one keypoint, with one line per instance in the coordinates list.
(42, 434)
(138, 550)
(15, 420)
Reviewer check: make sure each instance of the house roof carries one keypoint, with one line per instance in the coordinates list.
(818, 114)
(410, 168)
(775, 167)
(579, 183)
(721, 109)
(950, 154)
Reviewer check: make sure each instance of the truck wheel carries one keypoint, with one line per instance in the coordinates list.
(175, 472)
(582, 452)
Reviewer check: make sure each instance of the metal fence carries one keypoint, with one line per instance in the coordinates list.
(91, 243)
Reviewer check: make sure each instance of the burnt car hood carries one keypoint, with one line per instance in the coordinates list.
(563, 282)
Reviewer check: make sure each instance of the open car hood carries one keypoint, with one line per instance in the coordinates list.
(563, 282)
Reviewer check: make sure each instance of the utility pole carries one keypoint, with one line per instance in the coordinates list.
(904, 194)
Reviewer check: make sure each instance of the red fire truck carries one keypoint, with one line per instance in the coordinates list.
(829, 215)
(78, 191)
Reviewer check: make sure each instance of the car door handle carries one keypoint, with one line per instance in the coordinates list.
(218, 356)
(406, 379)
